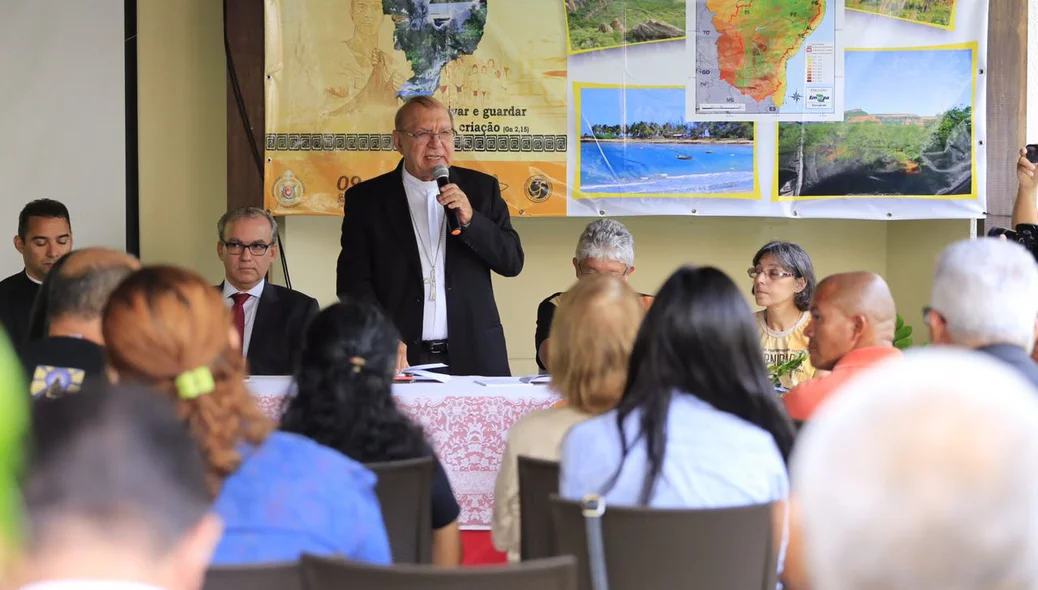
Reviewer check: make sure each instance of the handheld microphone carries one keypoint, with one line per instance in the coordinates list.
(442, 175)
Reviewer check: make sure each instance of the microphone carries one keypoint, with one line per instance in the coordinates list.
(442, 175)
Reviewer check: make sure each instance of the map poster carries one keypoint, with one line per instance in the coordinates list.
(909, 133)
(337, 70)
(775, 59)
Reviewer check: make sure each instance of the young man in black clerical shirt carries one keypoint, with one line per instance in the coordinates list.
(44, 236)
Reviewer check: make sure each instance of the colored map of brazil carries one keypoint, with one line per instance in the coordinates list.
(759, 56)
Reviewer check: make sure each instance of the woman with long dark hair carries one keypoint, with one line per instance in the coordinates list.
(344, 400)
(699, 424)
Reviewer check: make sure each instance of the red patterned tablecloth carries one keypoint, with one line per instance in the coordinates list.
(465, 422)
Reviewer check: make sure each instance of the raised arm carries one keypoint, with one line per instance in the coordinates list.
(491, 237)
(1025, 210)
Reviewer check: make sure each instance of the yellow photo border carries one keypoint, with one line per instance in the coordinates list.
(569, 41)
(949, 27)
(580, 195)
(973, 47)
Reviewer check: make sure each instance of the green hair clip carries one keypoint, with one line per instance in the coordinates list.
(194, 383)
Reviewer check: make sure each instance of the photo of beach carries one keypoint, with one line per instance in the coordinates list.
(908, 131)
(634, 141)
(604, 24)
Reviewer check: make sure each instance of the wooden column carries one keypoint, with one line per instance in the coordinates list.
(245, 38)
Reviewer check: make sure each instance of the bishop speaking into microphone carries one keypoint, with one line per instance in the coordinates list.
(420, 241)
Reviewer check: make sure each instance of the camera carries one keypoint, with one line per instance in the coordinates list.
(1032, 153)
(1001, 231)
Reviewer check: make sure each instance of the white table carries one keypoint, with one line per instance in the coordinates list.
(465, 422)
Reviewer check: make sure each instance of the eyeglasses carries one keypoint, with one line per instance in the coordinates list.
(256, 248)
(772, 274)
(442, 136)
(613, 273)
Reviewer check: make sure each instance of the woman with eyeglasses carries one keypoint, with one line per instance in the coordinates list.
(783, 284)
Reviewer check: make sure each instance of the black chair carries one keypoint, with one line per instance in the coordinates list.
(538, 481)
(322, 573)
(404, 491)
(274, 576)
(729, 548)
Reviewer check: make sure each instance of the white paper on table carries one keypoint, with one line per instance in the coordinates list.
(510, 381)
(422, 375)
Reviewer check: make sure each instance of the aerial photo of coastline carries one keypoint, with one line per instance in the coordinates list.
(908, 131)
(635, 141)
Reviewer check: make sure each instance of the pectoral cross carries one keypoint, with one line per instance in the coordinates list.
(431, 281)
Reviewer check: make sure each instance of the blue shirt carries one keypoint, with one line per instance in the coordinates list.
(292, 495)
(712, 460)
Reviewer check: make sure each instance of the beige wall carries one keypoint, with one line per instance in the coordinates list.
(183, 163)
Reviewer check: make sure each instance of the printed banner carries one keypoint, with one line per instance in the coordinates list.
(799, 108)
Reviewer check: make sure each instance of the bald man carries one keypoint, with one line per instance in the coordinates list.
(72, 350)
(852, 328)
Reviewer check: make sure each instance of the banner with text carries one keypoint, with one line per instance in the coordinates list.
(793, 108)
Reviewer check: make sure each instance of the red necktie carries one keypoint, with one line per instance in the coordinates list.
(239, 315)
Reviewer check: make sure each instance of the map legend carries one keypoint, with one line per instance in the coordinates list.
(820, 63)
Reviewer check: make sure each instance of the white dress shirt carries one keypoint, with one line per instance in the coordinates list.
(251, 304)
(430, 231)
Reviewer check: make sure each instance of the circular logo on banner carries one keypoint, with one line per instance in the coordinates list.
(538, 188)
(288, 190)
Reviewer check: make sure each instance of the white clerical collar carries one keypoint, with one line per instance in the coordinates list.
(85, 584)
(415, 182)
(29, 276)
(229, 289)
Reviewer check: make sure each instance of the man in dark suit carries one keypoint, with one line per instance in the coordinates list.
(985, 297)
(270, 320)
(397, 253)
(44, 236)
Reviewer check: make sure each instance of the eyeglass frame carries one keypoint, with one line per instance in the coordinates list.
(423, 136)
(753, 273)
(235, 244)
(583, 271)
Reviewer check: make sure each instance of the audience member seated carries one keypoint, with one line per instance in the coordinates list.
(605, 248)
(344, 400)
(74, 295)
(115, 496)
(852, 328)
(783, 284)
(279, 494)
(699, 425)
(592, 336)
(985, 296)
(44, 236)
(919, 474)
(270, 319)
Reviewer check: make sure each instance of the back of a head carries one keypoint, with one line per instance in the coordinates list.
(112, 463)
(344, 386)
(592, 335)
(163, 324)
(80, 287)
(606, 239)
(987, 292)
(920, 474)
(699, 338)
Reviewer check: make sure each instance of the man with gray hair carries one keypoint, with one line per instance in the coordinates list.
(919, 474)
(70, 304)
(607, 248)
(270, 319)
(985, 296)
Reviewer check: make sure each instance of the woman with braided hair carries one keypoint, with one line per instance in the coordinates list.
(344, 400)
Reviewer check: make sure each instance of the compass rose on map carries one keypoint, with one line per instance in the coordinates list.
(796, 96)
